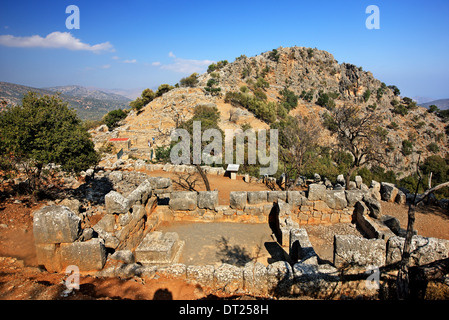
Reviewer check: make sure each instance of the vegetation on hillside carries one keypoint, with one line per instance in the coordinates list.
(41, 131)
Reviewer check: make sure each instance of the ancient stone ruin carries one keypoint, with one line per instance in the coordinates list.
(125, 242)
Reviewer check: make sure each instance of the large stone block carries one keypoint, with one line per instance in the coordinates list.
(423, 250)
(317, 192)
(352, 196)
(48, 256)
(256, 197)
(279, 278)
(207, 199)
(255, 278)
(301, 249)
(295, 198)
(238, 199)
(56, 224)
(372, 228)
(116, 203)
(373, 205)
(274, 196)
(388, 191)
(354, 250)
(158, 248)
(141, 194)
(203, 275)
(87, 256)
(336, 199)
(228, 277)
(159, 182)
(183, 200)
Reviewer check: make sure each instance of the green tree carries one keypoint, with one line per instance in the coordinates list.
(298, 137)
(163, 88)
(44, 130)
(395, 90)
(433, 108)
(145, 98)
(358, 133)
(190, 81)
(113, 117)
(209, 117)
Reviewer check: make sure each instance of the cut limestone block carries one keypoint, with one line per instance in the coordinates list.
(159, 249)
(183, 200)
(56, 224)
(87, 256)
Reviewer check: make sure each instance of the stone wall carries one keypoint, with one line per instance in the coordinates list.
(60, 240)
(124, 242)
(317, 205)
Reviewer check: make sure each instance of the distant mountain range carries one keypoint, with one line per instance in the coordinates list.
(90, 103)
(442, 104)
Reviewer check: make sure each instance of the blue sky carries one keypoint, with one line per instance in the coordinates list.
(138, 44)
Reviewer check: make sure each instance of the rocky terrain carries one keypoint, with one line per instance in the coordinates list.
(308, 73)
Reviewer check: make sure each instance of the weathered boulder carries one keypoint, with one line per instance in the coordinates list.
(423, 250)
(238, 199)
(183, 200)
(374, 206)
(207, 199)
(352, 196)
(354, 250)
(87, 256)
(126, 256)
(358, 181)
(317, 192)
(401, 197)
(336, 199)
(388, 191)
(56, 224)
(341, 180)
(116, 203)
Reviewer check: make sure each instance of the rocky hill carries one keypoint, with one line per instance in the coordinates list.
(89, 103)
(311, 74)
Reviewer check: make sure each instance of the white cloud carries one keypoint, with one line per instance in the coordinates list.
(115, 58)
(130, 61)
(156, 63)
(55, 39)
(106, 66)
(184, 65)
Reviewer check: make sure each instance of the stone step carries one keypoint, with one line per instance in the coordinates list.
(159, 248)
